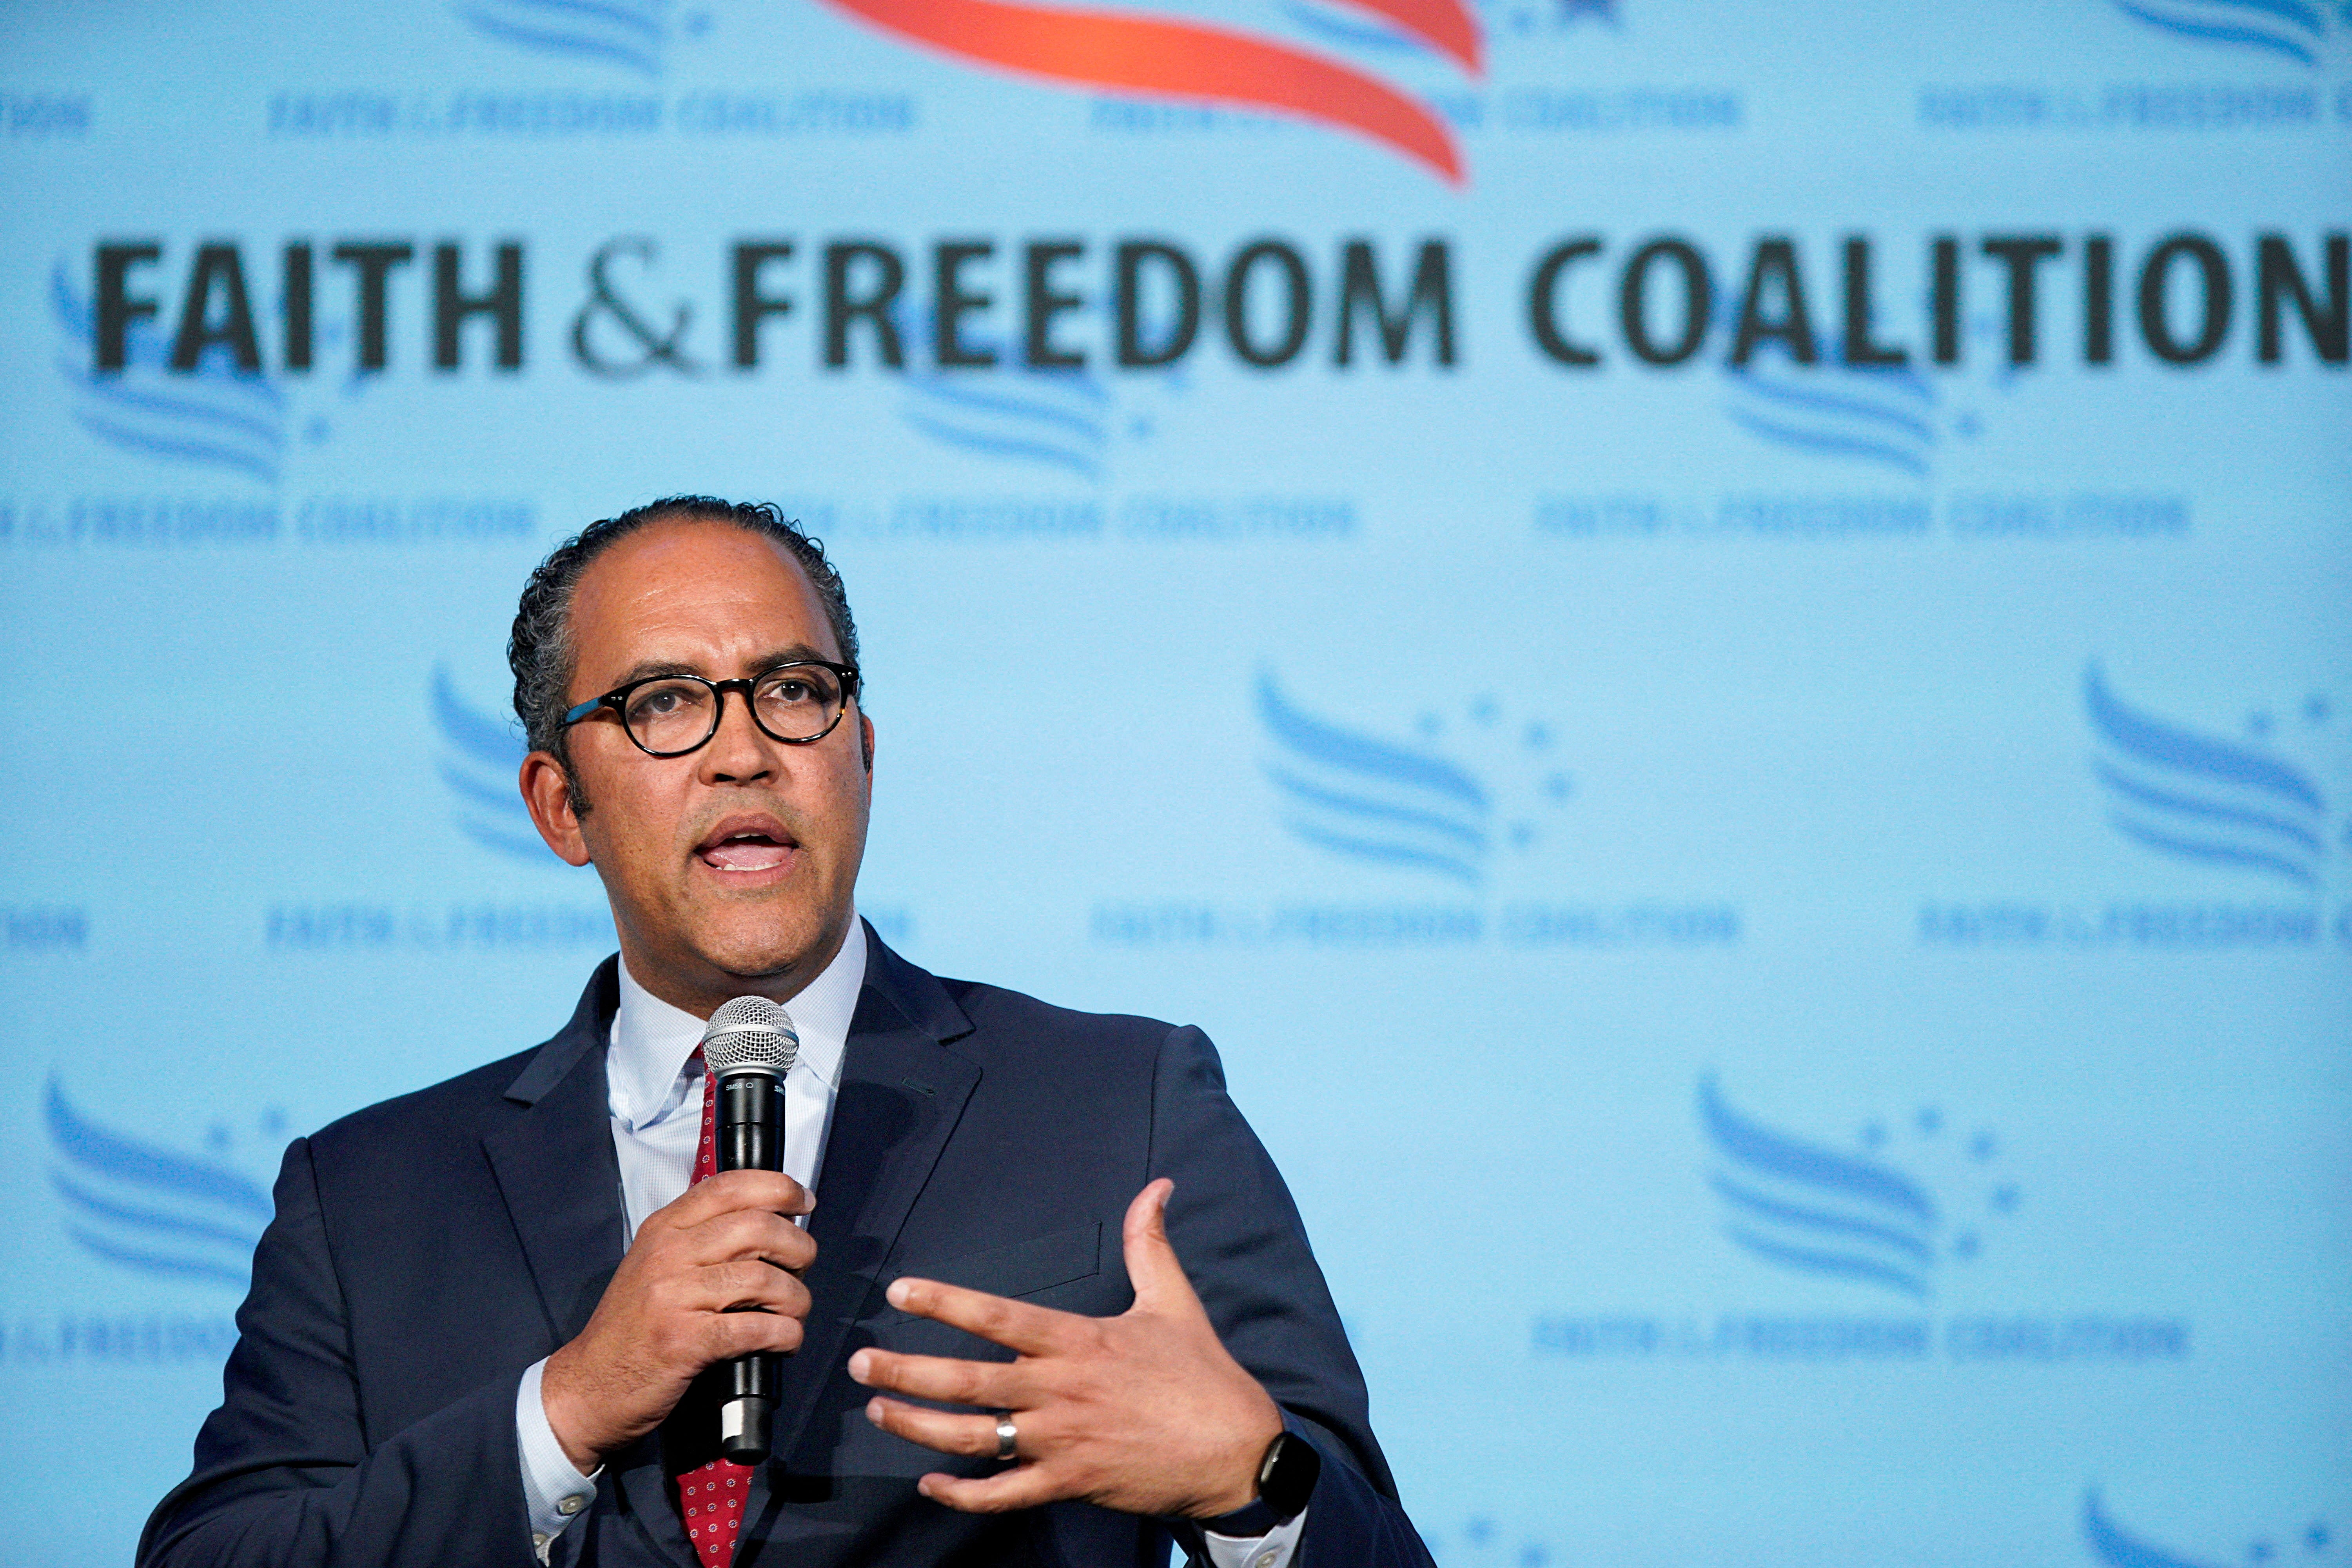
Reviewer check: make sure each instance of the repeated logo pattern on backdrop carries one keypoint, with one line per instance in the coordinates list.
(482, 757)
(2293, 30)
(1847, 1215)
(2223, 802)
(1709, 640)
(1381, 803)
(627, 33)
(151, 1209)
(218, 417)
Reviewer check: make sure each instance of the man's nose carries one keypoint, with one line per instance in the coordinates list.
(740, 750)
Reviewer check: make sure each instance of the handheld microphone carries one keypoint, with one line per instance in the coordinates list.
(747, 1049)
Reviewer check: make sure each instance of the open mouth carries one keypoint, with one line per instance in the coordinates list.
(747, 844)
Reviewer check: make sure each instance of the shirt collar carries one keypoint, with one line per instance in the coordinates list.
(649, 1068)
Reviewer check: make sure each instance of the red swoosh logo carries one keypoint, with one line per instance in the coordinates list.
(1186, 59)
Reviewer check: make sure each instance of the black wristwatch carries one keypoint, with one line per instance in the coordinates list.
(1285, 1479)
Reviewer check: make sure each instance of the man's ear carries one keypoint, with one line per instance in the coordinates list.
(865, 744)
(546, 791)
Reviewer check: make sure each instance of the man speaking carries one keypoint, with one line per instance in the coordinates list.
(1038, 1295)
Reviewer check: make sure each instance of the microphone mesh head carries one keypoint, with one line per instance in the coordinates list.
(749, 1034)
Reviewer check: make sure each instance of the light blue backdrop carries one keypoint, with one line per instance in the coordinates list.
(1789, 923)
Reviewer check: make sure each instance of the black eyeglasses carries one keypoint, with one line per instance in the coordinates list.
(670, 715)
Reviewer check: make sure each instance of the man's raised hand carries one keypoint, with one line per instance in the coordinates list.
(1145, 1413)
(704, 1281)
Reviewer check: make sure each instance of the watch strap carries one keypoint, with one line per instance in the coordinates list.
(1285, 1479)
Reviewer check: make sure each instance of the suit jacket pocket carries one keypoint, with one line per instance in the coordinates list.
(1020, 1269)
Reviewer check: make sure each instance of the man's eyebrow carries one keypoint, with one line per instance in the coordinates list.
(647, 669)
(653, 668)
(791, 653)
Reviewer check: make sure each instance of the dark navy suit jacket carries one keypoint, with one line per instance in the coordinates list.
(426, 1251)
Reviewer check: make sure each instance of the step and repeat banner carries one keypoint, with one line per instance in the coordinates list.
(1712, 640)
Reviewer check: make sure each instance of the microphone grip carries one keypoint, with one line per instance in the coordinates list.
(750, 1137)
(751, 1130)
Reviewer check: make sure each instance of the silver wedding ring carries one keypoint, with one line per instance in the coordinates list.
(1005, 1437)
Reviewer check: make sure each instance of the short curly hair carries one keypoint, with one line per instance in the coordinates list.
(540, 650)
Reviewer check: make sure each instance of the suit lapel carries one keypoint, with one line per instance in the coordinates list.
(902, 1092)
(562, 1182)
(556, 1168)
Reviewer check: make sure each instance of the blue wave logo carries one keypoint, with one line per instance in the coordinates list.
(215, 416)
(149, 1208)
(1373, 800)
(1044, 415)
(2203, 799)
(1807, 1208)
(1871, 414)
(2294, 28)
(2118, 1548)
(479, 760)
(629, 33)
(1058, 418)
(1349, 31)
(1346, 30)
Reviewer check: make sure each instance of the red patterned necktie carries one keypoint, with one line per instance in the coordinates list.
(710, 1496)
